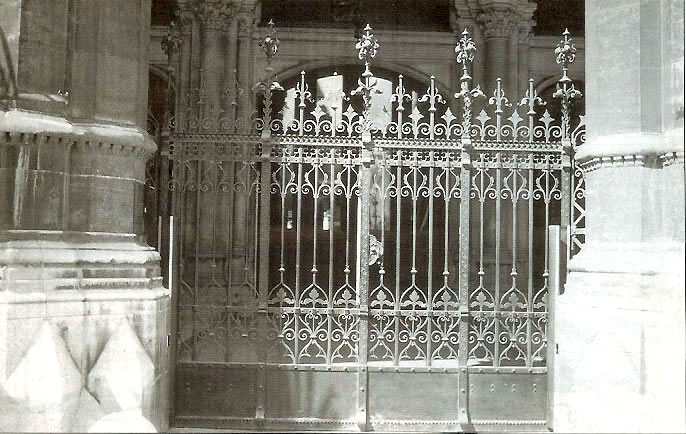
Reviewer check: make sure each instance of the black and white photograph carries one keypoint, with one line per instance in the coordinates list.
(400, 216)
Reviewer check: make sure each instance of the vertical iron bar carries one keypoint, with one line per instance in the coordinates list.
(263, 283)
(463, 339)
(396, 307)
(496, 298)
(430, 264)
(230, 221)
(530, 274)
(256, 228)
(446, 199)
(415, 194)
(546, 197)
(329, 319)
(315, 209)
(246, 219)
(296, 318)
(196, 278)
(174, 271)
(400, 109)
(552, 252)
(229, 243)
(566, 193)
(365, 173)
(229, 248)
(215, 204)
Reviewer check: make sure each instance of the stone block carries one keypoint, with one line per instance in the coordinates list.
(122, 377)
(88, 412)
(46, 383)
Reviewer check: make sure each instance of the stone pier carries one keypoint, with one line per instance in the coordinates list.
(619, 325)
(83, 313)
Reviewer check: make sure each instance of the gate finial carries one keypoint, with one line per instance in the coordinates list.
(565, 53)
(366, 46)
(270, 43)
(465, 50)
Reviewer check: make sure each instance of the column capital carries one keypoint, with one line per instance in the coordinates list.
(184, 18)
(497, 22)
(525, 30)
(246, 22)
(215, 14)
(526, 22)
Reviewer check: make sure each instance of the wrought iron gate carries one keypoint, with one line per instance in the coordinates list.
(338, 273)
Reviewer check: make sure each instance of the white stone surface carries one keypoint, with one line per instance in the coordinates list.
(123, 421)
(46, 383)
(620, 360)
(122, 377)
(88, 412)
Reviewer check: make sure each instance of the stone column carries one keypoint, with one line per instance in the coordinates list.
(496, 25)
(619, 326)
(231, 73)
(215, 17)
(241, 207)
(246, 79)
(512, 84)
(524, 34)
(76, 277)
(184, 59)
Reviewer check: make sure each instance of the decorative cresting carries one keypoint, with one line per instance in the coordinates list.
(501, 119)
(327, 249)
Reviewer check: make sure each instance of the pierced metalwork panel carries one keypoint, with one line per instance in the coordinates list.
(414, 208)
(328, 261)
(508, 296)
(313, 295)
(216, 215)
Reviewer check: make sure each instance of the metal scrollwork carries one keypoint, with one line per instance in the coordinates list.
(428, 302)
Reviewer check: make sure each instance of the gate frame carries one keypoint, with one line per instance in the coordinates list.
(566, 92)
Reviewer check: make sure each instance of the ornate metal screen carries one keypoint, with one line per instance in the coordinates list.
(335, 271)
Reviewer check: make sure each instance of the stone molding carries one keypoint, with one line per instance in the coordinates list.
(22, 127)
(643, 258)
(41, 252)
(635, 149)
(69, 295)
